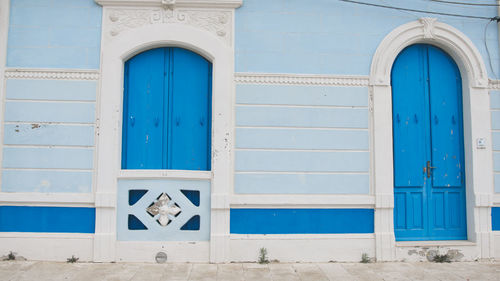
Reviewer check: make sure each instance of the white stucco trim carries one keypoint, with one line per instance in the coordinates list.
(232, 4)
(300, 79)
(47, 199)
(59, 74)
(115, 51)
(477, 123)
(327, 201)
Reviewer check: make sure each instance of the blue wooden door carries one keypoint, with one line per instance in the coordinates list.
(429, 177)
(167, 111)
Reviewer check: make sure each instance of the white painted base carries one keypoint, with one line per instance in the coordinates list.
(47, 246)
(302, 248)
(176, 251)
(496, 245)
(423, 251)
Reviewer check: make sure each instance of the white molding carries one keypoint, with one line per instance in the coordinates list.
(494, 84)
(430, 31)
(46, 235)
(63, 74)
(302, 201)
(46, 199)
(115, 51)
(301, 236)
(477, 124)
(117, 20)
(228, 4)
(165, 174)
(496, 200)
(48, 246)
(301, 79)
(435, 243)
(177, 251)
(302, 247)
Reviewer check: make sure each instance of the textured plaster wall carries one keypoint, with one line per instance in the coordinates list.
(285, 140)
(54, 34)
(48, 130)
(334, 37)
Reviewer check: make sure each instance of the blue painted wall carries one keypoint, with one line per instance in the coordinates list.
(54, 34)
(302, 140)
(301, 221)
(311, 139)
(47, 219)
(334, 37)
(495, 218)
(48, 136)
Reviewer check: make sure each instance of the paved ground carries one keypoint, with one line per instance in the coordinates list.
(41, 271)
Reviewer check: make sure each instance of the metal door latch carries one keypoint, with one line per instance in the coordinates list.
(428, 168)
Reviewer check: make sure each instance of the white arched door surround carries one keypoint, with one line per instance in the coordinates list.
(119, 43)
(477, 124)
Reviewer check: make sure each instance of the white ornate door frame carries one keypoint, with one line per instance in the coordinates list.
(477, 124)
(130, 27)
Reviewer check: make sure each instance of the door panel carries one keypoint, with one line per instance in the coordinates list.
(409, 120)
(143, 111)
(190, 104)
(167, 111)
(426, 85)
(446, 124)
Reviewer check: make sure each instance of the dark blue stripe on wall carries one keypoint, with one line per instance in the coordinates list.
(47, 219)
(495, 218)
(301, 221)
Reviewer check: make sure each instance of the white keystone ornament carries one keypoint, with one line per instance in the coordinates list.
(163, 207)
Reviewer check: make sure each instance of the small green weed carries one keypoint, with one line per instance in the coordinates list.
(365, 258)
(73, 259)
(263, 256)
(10, 257)
(441, 258)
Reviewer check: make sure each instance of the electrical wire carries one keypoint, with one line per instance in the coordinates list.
(419, 11)
(464, 3)
(487, 49)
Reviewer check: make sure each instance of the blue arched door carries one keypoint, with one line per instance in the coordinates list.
(167, 111)
(429, 172)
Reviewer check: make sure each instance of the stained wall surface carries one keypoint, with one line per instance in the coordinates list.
(49, 124)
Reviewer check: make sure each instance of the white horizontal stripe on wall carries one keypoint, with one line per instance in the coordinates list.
(285, 116)
(301, 95)
(291, 138)
(48, 158)
(302, 161)
(51, 90)
(271, 183)
(48, 134)
(24, 111)
(46, 181)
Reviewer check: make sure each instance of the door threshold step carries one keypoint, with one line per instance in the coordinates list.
(444, 243)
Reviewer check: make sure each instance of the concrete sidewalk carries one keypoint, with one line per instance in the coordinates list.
(41, 271)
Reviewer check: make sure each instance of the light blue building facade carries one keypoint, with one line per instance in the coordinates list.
(210, 129)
